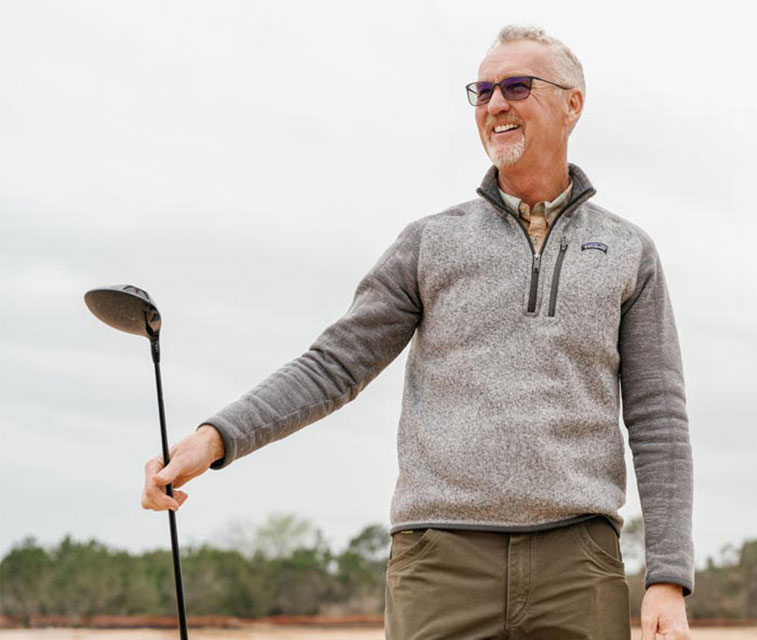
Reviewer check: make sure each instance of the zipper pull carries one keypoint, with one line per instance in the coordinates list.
(537, 262)
(564, 243)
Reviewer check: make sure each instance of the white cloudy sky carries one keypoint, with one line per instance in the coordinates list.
(247, 163)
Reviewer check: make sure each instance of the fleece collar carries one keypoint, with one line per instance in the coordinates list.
(581, 192)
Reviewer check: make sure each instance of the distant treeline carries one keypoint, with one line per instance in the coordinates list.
(283, 567)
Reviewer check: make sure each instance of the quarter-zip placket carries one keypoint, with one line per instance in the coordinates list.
(556, 276)
(536, 256)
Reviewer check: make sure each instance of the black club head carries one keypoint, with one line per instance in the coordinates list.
(127, 308)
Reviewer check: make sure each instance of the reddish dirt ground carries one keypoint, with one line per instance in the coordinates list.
(277, 633)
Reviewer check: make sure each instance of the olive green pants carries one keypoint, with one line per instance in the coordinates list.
(566, 583)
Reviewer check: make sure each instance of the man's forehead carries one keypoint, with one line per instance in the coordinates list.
(520, 58)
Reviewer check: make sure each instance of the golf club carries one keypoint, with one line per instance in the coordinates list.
(132, 310)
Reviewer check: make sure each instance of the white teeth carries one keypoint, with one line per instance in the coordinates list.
(504, 127)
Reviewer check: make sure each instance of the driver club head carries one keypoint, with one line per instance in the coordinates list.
(127, 308)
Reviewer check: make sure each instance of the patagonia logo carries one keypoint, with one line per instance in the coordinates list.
(594, 245)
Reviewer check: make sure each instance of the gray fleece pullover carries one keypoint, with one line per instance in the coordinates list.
(514, 378)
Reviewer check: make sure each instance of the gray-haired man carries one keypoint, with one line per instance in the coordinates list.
(531, 310)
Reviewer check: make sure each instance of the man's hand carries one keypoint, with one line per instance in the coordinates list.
(188, 459)
(663, 611)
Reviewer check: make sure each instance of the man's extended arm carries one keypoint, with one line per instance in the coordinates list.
(654, 412)
(379, 323)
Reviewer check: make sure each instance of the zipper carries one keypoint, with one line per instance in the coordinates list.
(556, 276)
(536, 259)
(535, 266)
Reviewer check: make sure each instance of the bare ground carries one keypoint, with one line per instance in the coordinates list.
(274, 633)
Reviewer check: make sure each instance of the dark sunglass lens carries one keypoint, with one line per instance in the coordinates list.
(517, 88)
(483, 92)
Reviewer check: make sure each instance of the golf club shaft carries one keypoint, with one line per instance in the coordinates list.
(155, 349)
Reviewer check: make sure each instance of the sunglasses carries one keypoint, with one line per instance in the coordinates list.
(519, 88)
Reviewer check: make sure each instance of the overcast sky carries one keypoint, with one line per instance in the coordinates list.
(247, 163)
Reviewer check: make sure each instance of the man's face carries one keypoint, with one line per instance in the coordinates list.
(544, 119)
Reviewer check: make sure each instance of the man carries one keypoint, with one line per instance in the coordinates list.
(531, 310)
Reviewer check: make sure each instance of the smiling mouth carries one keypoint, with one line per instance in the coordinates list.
(503, 129)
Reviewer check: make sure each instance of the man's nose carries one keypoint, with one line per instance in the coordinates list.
(497, 103)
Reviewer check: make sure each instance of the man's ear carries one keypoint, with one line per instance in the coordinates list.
(574, 106)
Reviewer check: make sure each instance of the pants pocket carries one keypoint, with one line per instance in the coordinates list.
(599, 541)
(407, 546)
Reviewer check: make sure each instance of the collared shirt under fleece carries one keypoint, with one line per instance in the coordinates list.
(514, 378)
(537, 220)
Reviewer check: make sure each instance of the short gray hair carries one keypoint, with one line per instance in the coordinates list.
(567, 68)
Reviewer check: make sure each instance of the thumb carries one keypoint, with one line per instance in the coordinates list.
(168, 473)
(648, 629)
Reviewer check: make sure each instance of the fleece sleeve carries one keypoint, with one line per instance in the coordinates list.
(654, 412)
(348, 354)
